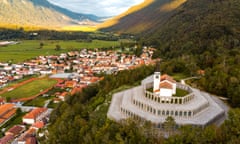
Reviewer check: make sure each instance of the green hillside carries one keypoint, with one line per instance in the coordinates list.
(193, 35)
(204, 35)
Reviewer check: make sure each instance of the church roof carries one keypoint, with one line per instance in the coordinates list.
(167, 77)
(166, 85)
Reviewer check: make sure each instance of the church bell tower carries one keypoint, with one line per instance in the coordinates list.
(156, 78)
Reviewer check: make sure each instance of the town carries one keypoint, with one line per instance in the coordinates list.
(73, 70)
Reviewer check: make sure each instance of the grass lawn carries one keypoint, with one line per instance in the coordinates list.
(30, 89)
(29, 49)
(10, 84)
(181, 92)
(38, 102)
(52, 104)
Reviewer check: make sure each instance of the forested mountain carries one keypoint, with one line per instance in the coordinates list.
(146, 17)
(193, 35)
(205, 35)
(39, 13)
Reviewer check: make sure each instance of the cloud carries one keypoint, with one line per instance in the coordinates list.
(97, 7)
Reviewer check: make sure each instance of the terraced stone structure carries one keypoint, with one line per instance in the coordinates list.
(196, 108)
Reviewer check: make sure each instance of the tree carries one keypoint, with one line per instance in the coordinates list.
(58, 47)
(41, 45)
(169, 125)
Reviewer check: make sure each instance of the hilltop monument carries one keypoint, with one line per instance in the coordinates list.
(155, 99)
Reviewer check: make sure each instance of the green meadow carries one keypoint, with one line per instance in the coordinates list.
(29, 49)
(30, 89)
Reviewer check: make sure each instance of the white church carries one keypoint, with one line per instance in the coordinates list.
(196, 108)
(164, 85)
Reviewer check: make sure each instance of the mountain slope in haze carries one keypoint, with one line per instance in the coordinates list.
(143, 17)
(38, 13)
(64, 11)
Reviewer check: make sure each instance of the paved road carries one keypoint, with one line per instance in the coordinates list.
(46, 103)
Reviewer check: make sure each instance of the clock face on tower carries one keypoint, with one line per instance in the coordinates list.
(156, 76)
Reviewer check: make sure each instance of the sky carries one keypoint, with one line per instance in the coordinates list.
(97, 7)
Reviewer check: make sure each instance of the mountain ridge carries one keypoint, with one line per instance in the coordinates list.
(153, 14)
(40, 14)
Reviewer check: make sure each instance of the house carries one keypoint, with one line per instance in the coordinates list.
(70, 84)
(23, 139)
(38, 125)
(31, 140)
(6, 139)
(34, 115)
(7, 111)
(15, 130)
(63, 96)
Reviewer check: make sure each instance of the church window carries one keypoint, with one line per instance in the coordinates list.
(163, 112)
(189, 113)
(159, 112)
(185, 113)
(167, 113)
(176, 113)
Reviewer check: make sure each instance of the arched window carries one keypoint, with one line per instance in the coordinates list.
(185, 113)
(176, 113)
(163, 112)
(159, 112)
(189, 113)
(180, 113)
(167, 113)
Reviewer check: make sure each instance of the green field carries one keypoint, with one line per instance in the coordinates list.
(29, 49)
(181, 92)
(38, 102)
(30, 89)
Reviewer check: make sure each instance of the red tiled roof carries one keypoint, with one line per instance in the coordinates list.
(76, 90)
(5, 108)
(15, 130)
(70, 83)
(35, 113)
(31, 140)
(6, 139)
(2, 120)
(167, 77)
(9, 113)
(166, 85)
(64, 94)
(38, 124)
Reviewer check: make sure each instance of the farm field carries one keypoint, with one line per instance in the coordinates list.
(29, 49)
(30, 89)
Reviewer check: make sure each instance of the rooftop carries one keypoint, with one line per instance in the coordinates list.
(35, 113)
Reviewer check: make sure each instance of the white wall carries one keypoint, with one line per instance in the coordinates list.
(166, 92)
(28, 121)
